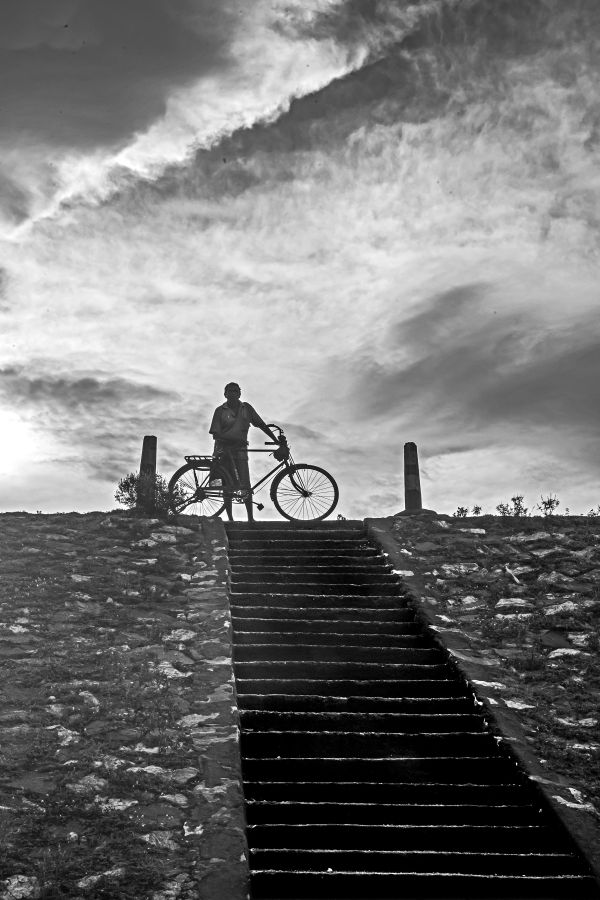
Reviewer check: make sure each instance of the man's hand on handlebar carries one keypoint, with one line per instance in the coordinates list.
(278, 440)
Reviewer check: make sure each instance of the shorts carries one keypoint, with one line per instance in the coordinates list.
(235, 460)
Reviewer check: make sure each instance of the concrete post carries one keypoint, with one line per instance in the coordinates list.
(412, 481)
(147, 482)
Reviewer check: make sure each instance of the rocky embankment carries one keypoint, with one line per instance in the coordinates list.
(118, 729)
(517, 603)
(119, 772)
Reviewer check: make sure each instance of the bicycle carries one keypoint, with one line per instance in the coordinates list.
(299, 491)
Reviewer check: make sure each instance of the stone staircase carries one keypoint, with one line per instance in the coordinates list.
(369, 770)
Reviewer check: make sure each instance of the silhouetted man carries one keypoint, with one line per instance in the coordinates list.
(229, 427)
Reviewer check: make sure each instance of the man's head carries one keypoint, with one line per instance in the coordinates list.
(233, 391)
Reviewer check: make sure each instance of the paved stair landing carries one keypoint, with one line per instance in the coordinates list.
(369, 770)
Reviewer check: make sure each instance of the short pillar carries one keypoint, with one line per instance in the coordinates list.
(412, 481)
(147, 482)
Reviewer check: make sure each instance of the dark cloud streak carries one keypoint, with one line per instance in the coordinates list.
(110, 77)
(476, 374)
(455, 57)
(72, 393)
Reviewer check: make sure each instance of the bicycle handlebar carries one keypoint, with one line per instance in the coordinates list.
(282, 438)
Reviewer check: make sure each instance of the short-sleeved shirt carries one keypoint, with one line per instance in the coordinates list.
(227, 425)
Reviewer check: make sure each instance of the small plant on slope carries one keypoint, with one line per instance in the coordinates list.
(517, 510)
(131, 487)
(548, 505)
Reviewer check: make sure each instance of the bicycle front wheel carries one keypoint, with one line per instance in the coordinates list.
(304, 493)
(191, 494)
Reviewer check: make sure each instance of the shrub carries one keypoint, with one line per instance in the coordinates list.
(548, 505)
(517, 509)
(131, 486)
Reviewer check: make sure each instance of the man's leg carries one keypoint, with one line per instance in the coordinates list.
(244, 481)
(226, 462)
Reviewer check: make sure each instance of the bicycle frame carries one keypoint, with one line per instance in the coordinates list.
(215, 480)
(284, 464)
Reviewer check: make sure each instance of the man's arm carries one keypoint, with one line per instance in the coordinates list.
(256, 420)
(268, 432)
(215, 425)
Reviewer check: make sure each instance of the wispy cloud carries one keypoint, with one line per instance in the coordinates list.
(114, 94)
(486, 375)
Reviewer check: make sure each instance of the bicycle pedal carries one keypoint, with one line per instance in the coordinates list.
(260, 506)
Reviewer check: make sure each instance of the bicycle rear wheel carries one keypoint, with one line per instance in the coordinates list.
(190, 493)
(304, 493)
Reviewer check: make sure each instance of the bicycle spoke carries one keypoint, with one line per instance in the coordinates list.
(191, 494)
(305, 493)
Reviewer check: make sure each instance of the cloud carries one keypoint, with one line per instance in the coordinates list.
(117, 92)
(4, 305)
(339, 78)
(14, 200)
(520, 26)
(83, 77)
(487, 376)
(478, 132)
(100, 419)
(84, 73)
(379, 254)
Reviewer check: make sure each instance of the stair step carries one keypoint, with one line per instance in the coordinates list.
(381, 886)
(377, 588)
(379, 615)
(306, 702)
(336, 653)
(347, 744)
(306, 600)
(244, 627)
(312, 575)
(477, 769)
(320, 555)
(346, 638)
(424, 861)
(390, 792)
(340, 836)
(277, 525)
(392, 688)
(431, 814)
(257, 719)
(348, 670)
(343, 569)
(302, 542)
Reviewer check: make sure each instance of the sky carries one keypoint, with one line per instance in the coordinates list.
(380, 217)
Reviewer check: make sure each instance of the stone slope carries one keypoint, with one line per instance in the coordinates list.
(517, 602)
(119, 759)
(119, 767)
